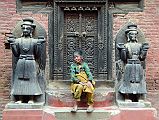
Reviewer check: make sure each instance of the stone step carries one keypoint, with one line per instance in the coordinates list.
(59, 95)
(65, 114)
(101, 113)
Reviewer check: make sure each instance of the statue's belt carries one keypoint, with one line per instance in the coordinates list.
(27, 57)
(135, 61)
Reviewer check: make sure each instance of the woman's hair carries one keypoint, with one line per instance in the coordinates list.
(78, 52)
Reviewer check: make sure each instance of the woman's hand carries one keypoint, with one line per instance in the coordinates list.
(89, 84)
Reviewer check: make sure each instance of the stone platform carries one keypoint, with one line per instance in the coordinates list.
(63, 113)
(59, 103)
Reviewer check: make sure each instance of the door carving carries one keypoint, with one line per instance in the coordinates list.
(80, 32)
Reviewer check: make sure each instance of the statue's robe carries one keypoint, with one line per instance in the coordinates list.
(25, 81)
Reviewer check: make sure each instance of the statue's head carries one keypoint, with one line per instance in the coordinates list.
(78, 56)
(27, 27)
(131, 33)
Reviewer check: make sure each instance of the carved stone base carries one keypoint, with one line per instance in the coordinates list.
(130, 104)
(12, 105)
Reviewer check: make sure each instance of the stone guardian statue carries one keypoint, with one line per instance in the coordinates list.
(29, 65)
(132, 55)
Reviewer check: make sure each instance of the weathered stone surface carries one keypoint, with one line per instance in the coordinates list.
(25, 105)
(59, 95)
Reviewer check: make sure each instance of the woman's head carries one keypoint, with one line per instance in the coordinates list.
(78, 56)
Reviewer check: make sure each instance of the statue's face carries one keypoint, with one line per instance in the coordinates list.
(78, 58)
(27, 29)
(133, 35)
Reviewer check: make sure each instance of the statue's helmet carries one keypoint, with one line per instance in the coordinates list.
(28, 21)
(130, 28)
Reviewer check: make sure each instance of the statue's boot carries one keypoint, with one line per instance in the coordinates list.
(128, 100)
(30, 101)
(18, 102)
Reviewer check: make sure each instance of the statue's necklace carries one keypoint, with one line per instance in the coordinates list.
(26, 43)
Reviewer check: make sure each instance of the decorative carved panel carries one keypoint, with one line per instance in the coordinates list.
(80, 32)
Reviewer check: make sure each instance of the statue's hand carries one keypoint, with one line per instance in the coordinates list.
(41, 40)
(120, 46)
(145, 46)
(11, 39)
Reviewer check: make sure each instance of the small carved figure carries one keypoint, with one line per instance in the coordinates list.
(29, 64)
(82, 81)
(132, 55)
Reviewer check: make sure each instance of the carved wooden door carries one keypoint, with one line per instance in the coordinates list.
(80, 32)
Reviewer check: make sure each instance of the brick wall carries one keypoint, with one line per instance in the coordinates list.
(147, 21)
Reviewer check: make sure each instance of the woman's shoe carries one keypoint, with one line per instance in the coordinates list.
(90, 109)
(74, 109)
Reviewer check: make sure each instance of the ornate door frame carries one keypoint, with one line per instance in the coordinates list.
(104, 42)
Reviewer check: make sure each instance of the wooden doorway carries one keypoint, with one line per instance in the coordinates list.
(83, 26)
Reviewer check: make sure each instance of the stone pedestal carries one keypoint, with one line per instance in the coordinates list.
(28, 114)
(137, 114)
(22, 114)
(130, 104)
(23, 111)
(38, 105)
